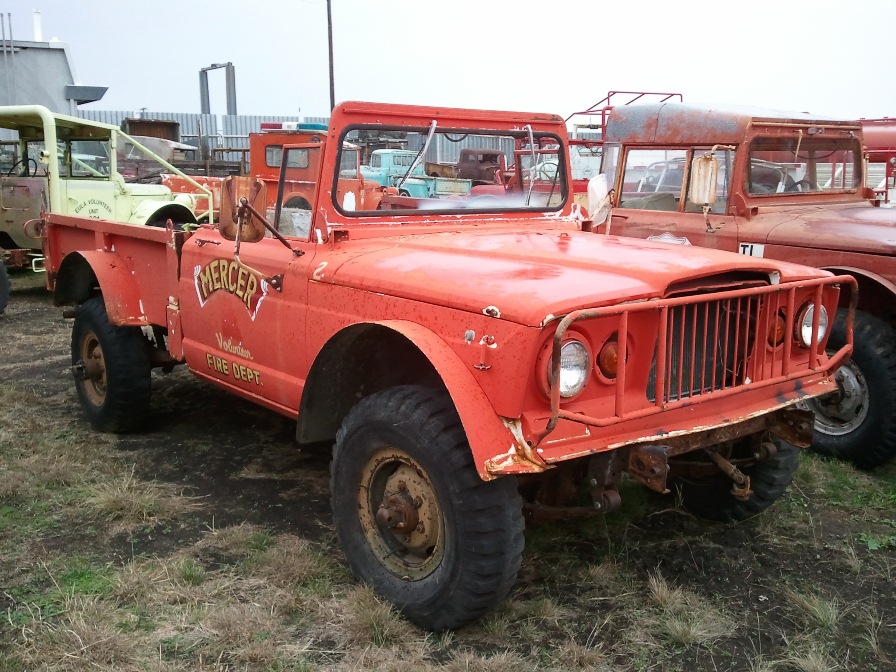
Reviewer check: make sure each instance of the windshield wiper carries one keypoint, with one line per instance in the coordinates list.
(416, 161)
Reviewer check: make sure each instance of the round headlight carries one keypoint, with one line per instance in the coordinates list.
(574, 364)
(804, 327)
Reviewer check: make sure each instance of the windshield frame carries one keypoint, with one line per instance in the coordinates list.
(545, 139)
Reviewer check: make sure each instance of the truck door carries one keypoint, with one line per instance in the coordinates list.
(243, 316)
(652, 199)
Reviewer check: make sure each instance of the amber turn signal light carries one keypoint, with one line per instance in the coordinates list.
(608, 359)
(777, 331)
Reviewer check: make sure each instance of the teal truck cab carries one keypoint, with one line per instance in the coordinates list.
(403, 169)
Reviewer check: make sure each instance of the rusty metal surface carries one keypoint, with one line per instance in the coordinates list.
(680, 123)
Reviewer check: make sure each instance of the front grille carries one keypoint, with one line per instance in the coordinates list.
(705, 347)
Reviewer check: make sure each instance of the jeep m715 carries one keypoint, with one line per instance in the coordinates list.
(470, 360)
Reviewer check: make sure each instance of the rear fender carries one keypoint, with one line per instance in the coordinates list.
(82, 275)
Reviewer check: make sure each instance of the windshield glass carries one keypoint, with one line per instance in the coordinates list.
(803, 164)
(455, 169)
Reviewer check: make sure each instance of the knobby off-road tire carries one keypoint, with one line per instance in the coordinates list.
(404, 450)
(858, 423)
(114, 384)
(5, 287)
(712, 497)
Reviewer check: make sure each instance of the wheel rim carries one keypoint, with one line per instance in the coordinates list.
(400, 515)
(843, 411)
(94, 381)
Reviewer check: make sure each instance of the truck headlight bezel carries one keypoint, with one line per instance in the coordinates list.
(574, 371)
(805, 317)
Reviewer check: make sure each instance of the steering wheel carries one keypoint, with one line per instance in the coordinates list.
(547, 170)
(26, 161)
(796, 186)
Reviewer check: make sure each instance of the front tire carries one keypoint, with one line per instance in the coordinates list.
(413, 516)
(857, 422)
(711, 497)
(111, 368)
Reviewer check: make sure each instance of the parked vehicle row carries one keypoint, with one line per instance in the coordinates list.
(474, 359)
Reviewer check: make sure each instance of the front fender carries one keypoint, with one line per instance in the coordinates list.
(81, 272)
(496, 447)
(862, 273)
(158, 212)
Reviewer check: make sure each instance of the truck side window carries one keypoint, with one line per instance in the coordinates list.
(723, 181)
(797, 164)
(653, 179)
(273, 155)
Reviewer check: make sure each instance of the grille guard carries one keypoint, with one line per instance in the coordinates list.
(661, 400)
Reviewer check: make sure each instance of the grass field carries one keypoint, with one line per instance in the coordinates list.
(205, 543)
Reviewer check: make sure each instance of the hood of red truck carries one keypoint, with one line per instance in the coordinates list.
(853, 228)
(529, 276)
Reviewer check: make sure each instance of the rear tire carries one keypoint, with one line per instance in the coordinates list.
(112, 370)
(413, 516)
(5, 287)
(711, 497)
(857, 423)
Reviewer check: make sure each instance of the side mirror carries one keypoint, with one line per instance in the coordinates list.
(702, 190)
(598, 199)
(704, 173)
(235, 218)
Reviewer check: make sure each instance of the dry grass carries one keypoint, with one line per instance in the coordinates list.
(813, 660)
(87, 636)
(685, 618)
(127, 502)
(817, 610)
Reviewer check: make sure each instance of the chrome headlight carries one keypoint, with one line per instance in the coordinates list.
(804, 327)
(575, 363)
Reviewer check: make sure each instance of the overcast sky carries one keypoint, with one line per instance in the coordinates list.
(828, 57)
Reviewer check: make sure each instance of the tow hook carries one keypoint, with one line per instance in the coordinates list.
(741, 487)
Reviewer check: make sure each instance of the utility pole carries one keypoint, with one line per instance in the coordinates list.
(330, 38)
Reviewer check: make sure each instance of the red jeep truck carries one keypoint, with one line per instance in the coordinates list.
(471, 360)
(789, 186)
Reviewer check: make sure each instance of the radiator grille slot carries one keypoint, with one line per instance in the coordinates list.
(706, 347)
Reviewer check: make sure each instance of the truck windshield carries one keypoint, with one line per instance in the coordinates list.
(803, 164)
(462, 169)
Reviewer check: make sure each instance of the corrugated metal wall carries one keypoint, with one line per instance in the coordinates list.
(216, 131)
